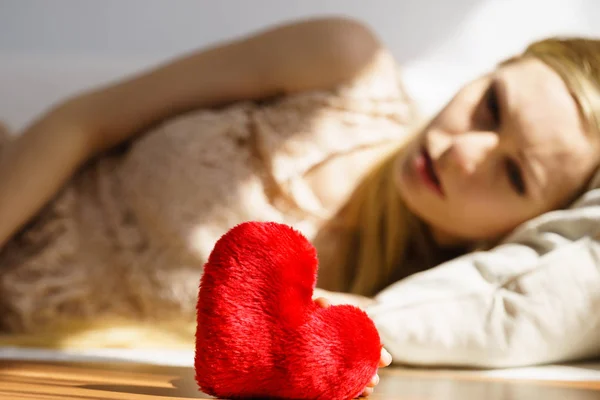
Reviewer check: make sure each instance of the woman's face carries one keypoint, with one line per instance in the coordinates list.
(508, 147)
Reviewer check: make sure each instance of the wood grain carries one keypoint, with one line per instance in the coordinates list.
(126, 381)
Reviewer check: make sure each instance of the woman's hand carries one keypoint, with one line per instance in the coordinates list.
(336, 298)
(384, 361)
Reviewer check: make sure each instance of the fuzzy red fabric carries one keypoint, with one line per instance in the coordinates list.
(260, 334)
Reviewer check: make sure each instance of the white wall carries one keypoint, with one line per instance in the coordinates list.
(50, 48)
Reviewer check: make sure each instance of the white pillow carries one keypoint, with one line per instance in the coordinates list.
(534, 299)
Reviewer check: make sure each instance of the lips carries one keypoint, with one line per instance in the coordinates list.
(426, 169)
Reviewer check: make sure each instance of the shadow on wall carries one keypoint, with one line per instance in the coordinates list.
(50, 50)
(68, 27)
(421, 26)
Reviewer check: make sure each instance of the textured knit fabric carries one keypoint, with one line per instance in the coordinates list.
(129, 234)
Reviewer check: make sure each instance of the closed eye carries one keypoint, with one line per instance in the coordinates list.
(515, 177)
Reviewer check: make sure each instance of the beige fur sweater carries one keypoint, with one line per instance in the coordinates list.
(129, 234)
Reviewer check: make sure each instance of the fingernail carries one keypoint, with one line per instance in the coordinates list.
(386, 356)
(375, 380)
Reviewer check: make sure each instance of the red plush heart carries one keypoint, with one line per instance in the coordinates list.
(260, 334)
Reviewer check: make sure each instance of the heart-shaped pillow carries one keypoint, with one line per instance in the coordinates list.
(260, 334)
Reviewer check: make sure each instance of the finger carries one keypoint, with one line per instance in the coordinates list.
(374, 381)
(322, 302)
(386, 358)
(367, 392)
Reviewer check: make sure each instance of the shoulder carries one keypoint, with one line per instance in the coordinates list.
(351, 36)
(352, 39)
(326, 52)
(354, 45)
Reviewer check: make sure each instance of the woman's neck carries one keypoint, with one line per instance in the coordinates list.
(447, 240)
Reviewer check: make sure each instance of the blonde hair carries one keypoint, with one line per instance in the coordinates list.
(360, 247)
(372, 241)
(374, 238)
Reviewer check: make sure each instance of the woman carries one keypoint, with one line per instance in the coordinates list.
(509, 147)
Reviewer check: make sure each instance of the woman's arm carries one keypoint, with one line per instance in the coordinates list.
(300, 56)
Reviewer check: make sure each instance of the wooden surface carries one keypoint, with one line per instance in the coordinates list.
(20, 380)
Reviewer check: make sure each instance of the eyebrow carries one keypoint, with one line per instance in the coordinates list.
(499, 88)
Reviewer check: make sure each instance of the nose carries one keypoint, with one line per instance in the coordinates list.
(466, 152)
